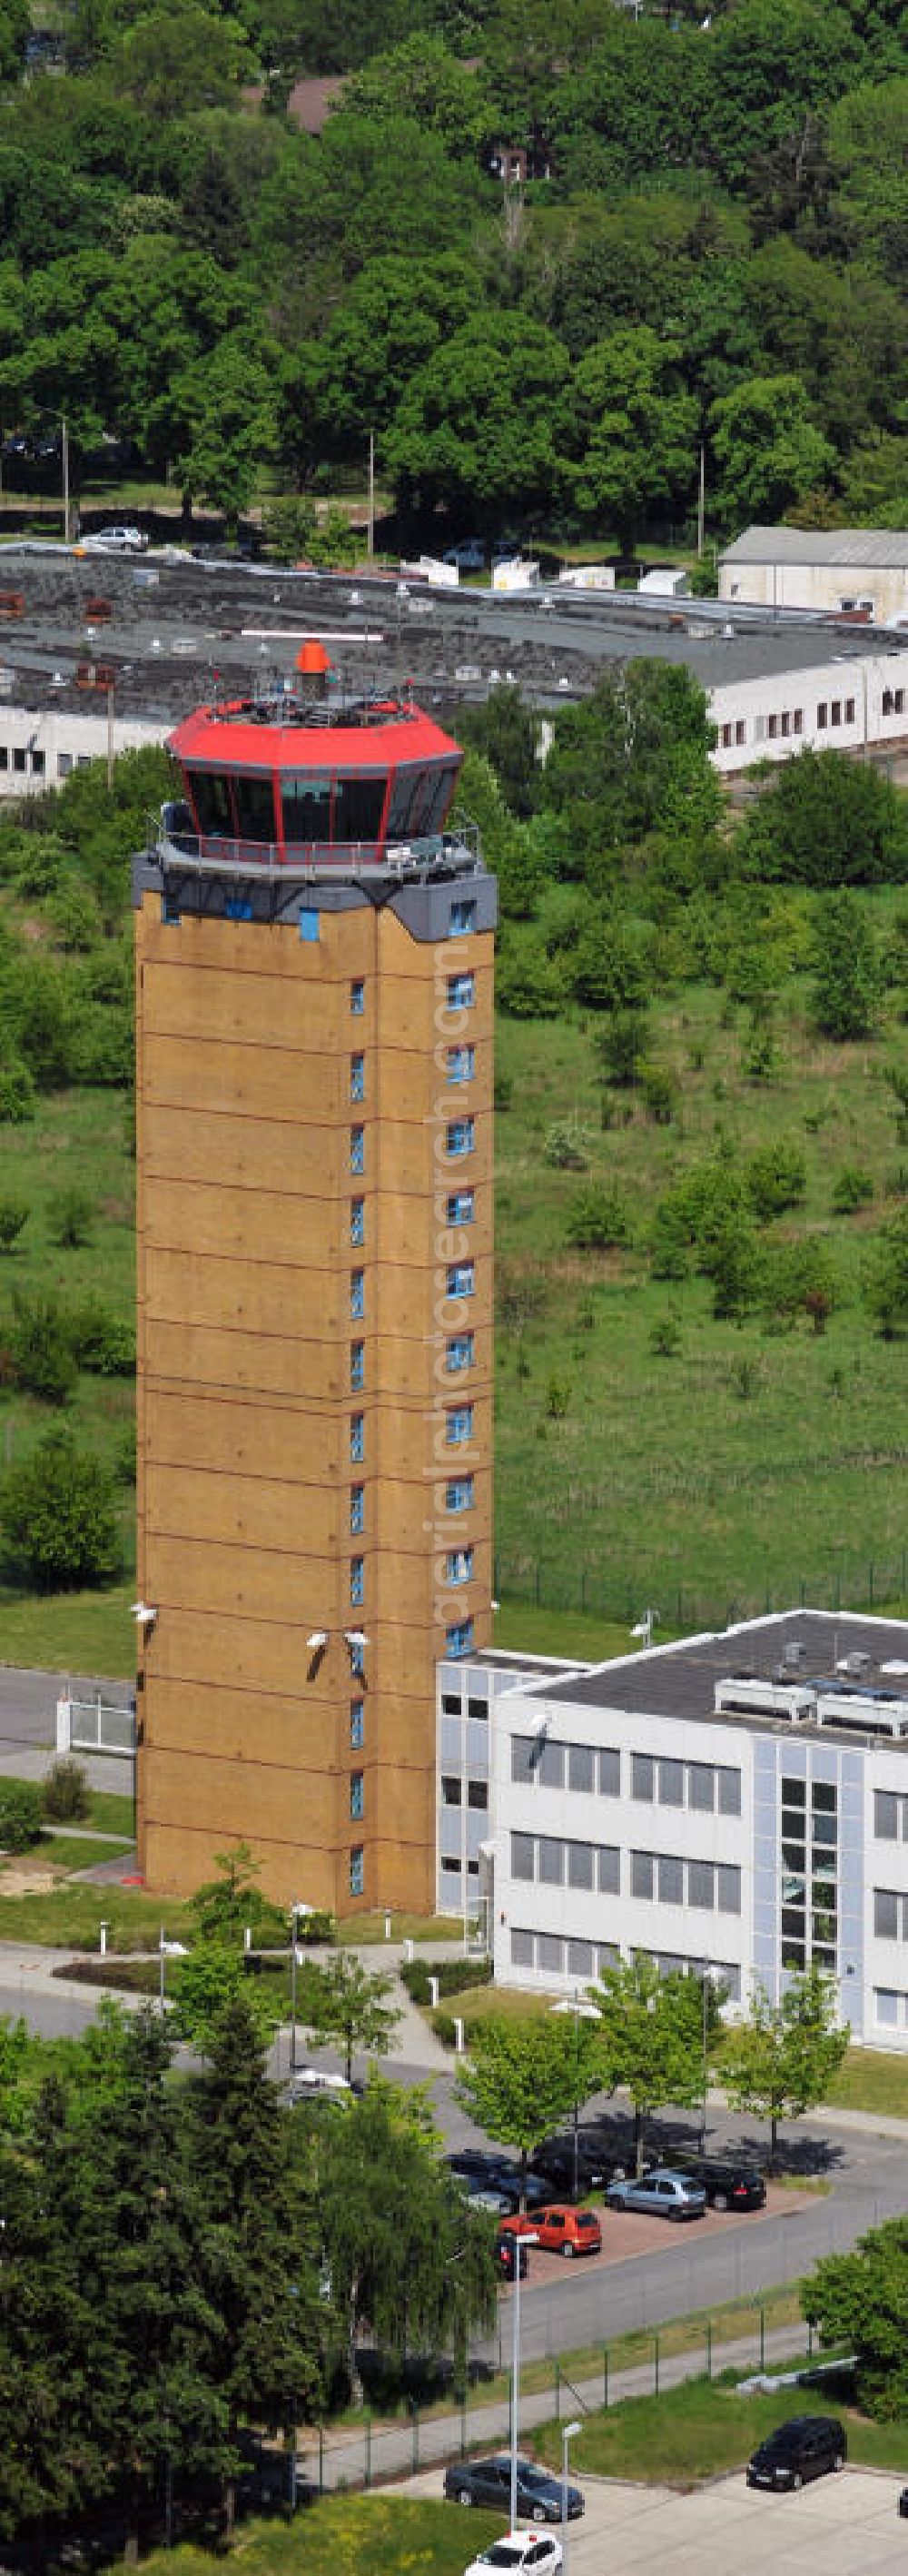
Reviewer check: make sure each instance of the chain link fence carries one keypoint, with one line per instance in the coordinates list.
(867, 1584)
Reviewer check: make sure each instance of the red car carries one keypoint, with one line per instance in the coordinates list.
(559, 2229)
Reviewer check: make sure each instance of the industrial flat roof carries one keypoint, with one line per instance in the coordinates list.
(881, 549)
(679, 1680)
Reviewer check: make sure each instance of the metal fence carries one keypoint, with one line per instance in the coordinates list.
(605, 1592)
(99, 1726)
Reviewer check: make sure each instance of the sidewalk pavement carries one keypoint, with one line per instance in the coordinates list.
(392, 2451)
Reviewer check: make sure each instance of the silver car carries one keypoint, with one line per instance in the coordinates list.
(662, 2193)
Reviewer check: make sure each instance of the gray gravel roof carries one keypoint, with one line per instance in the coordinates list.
(679, 1681)
(877, 548)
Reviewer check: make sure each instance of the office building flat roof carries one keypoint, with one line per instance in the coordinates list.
(680, 1680)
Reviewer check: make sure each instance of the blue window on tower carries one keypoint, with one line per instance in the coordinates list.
(357, 1510)
(357, 1582)
(461, 1207)
(357, 1149)
(460, 1136)
(459, 1564)
(461, 992)
(461, 1063)
(459, 1494)
(357, 1796)
(357, 1077)
(460, 1352)
(357, 1294)
(458, 1425)
(357, 1439)
(463, 918)
(357, 1220)
(357, 997)
(357, 1366)
(170, 908)
(308, 923)
(357, 1725)
(461, 1279)
(357, 1873)
(459, 1639)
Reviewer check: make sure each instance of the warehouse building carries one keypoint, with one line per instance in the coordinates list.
(840, 572)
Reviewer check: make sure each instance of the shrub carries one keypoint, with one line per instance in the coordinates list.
(669, 1241)
(454, 1976)
(665, 1337)
(851, 1189)
(17, 1090)
(14, 1214)
(70, 1219)
(102, 1342)
(567, 1146)
(886, 1277)
(557, 1398)
(620, 1046)
(597, 1218)
(58, 1518)
(776, 1179)
(503, 1090)
(39, 1348)
(660, 1094)
(20, 1815)
(64, 1794)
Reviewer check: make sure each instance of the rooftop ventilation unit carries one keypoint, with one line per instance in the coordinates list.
(857, 1665)
(795, 1654)
(747, 1696)
(864, 1713)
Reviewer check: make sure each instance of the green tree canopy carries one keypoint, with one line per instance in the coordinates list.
(341, 2000)
(523, 2078)
(650, 2038)
(767, 449)
(780, 2062)
(629, 430)
(406, 2254)
(58, 1517)
(474, 428)
(860, 2300)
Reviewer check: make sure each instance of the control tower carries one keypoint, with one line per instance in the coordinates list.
(314, 1142)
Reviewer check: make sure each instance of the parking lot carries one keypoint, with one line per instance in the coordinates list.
(629, 2232)
(844, 2526)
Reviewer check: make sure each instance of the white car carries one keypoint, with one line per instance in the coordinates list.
(310, 2083)
(115, 541)
(534, 2550)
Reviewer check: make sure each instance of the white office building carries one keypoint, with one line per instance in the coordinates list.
(736, 1803)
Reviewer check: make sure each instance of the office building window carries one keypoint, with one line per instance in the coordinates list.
(886, 1815)
(671, 1879)
(451, 1790)
(357, 1439)
(523, 1856)
(835, 712)
(523, 1757)
(580, 1959)
(550, 1766)
(642, 1874)
(581, 1759)
(740, 730)
(460, 1353)
(357, 1221)
(459, 1564)
(357, 1149)
(886, 2006)
(726, 737)
(609, 1869)
(478, 1709)
(357, 1725)
(65, 762)
(580, 1858)
(18, 756)
(550, 1954)
(357, 1295)
(459, 1494)
(461, 1207)
(357, 1795)
(609, 1772)
(772, 727)
(797, 721)
(702, 1787)
(461, 1063)
(463, 919)
(357, 1510)
(728, 1889)
(460, 1136)
(729, 1790)
(671, 1784)
(700, 1885)
(459, 1639)
(357, 1366)
(458, 1425)
(37, 764)
(357, 1077)
(461, 992)
(849, 710)
(478, 1796)
(888, 1914)
(461, 1279)
(357, 997)
(357, 1658)
(550, 1861)
(357, 1582)
(642, 1775)
(523, 1949)
(822, 716)
(357, 1870)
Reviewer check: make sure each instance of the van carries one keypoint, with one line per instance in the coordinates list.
(806, 2447)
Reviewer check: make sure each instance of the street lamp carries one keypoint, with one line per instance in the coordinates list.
(707, 1980)
(567, 2435)
(300, 1908)
(529, 2239)
(586, 2012)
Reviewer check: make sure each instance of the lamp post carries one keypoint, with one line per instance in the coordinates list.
(162, 1954)
(296, 1911)
(567, 2435)
(519, 2240)
(582, 2011)
(707, 1979)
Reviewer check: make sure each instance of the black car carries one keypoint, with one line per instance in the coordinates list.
(806, 2447)
(728, 2181)
(483, 2172)
(540, 2496)
(554, 2163)
(506, 2248)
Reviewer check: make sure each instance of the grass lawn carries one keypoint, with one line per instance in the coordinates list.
(69, 1917)
(404, 1927)
(703, 2429)
(68, 1852)
(110, 1814)
(872, 2079)
(378, 2535)
(71, 1632)
(523, 1628)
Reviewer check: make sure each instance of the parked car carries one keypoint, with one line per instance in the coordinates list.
(727, 2182)
(519, 2549)
(560, 2229)
(482, 2171)
(903, 2505)
(315, 2084)
(507, 2249)
(469, 555)
(806, 2447)
(115, 541)
(555, 2162)
(663, 2193)
(539, 2494)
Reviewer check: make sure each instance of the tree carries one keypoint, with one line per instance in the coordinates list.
(21, 1815)
(14, 1214)
(405, 2251)
(258, 2238)
(58, 1517)
(65, 1795)
(343, 2001)
(524, 2078)
(650, 2038)
(628, 430)
(767, 449)
(886, 1277)
(825, 821)
(847, 981)
(224, 1906)
(781, 2061)
(228, 425)
(597, 1218)
(474, 428)
(860, 2300)
(213, 1982)
(505, 730)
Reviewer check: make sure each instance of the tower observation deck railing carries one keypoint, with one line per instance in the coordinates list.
(216, 853)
